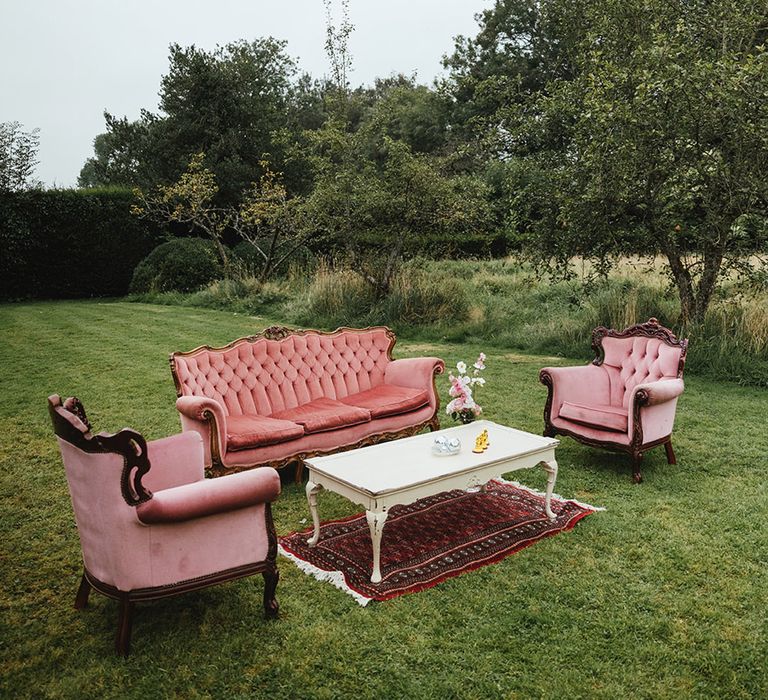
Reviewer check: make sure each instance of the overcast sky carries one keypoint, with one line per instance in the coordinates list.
(63, 62)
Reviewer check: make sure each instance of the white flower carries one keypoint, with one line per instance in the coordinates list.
(462, 367)
(478, 380)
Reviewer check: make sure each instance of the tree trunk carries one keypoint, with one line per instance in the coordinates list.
(682, 277)
(694, 301)
(713, 260)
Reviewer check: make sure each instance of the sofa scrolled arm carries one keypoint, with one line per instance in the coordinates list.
(200, 408)
(414, 372)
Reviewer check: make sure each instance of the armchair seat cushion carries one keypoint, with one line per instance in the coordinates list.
(210, 496)
(612, 418)
(324, 414)
(388, 400)
(246, 432)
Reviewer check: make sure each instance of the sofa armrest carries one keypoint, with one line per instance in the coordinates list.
(176, 460)
(661, 391)
(414, 372)
(210, 497)
(197, 412)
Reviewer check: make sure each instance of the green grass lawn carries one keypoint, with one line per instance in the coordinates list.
(662, 595)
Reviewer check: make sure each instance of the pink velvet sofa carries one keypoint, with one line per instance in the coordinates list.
(627, 398)
(284, 395)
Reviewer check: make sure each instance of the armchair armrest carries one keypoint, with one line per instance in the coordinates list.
(661, 391)
(414, 372)
(176, 460)
(210, 497)
(585, 383)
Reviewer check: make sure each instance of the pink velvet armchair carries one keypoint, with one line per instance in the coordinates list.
(626, 399)
(151, 525)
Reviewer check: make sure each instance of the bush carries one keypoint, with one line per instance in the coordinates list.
(179, 265)
(338, 297)
(420, 298)
(70, 243)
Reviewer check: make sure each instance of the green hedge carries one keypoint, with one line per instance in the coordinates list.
(70, 243)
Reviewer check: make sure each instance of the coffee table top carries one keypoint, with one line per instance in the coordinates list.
(391, 466)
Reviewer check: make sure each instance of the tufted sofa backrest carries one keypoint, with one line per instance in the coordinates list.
(635, 360)
(261, 376)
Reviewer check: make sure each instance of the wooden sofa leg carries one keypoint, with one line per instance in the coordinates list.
(81, 599)
(124, 627)
(271, 608)
(671, 459)
(637, 459)
(299, 470)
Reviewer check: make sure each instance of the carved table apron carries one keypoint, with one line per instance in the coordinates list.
(402, 471)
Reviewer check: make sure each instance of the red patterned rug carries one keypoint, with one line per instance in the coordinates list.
(431, 540)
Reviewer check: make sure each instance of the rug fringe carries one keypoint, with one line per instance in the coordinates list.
(335, 578)
(555, 496)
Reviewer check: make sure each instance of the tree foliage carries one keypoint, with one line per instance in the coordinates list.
(229, 103)
(657, 143)
(18, 157)
(382, 209)
(265, 218)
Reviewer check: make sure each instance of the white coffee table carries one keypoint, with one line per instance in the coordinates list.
(402, 471)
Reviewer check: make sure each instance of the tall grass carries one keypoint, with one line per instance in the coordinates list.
(503, 303)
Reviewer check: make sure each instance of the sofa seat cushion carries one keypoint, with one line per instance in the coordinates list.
(597, 416)
(324, 414)
(246, 432)
(388, 400)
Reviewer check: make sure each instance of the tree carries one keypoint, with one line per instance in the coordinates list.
(265, 218)
(228, 103)
(18, 157)
(521, 47)
(659, 143)
(381, 210)
(271, 222)
(122, 155)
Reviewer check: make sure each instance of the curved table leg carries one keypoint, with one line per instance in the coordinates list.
(551, 469)
(312, 490)
(376, 522)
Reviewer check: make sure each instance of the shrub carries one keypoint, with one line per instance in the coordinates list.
(70, 243)
(179, 265)
(418, 297)
(338, 297)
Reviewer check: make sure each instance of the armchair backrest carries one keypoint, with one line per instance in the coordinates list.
(645, 352)
(280, 369)
(104, 478)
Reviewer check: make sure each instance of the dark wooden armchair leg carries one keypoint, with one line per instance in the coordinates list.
(124, 626)
(271, 608)
(671, 459)
(637, 459)
(81, 599)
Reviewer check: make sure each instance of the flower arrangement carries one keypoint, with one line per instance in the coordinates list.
(463, 406)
